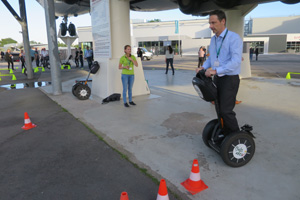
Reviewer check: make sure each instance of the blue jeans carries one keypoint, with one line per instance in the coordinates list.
(127, 81)
(170, 60)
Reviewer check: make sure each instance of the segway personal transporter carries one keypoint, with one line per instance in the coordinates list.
(237, 148)
(81, 90)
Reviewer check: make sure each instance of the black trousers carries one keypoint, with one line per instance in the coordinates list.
(228, 87)
(37, 61)
(170, 60)
(23, 64)
(76, 61)
(90, 61)
(81, 60)
(12, 65)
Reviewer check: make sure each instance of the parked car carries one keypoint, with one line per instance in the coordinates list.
(15, 56)
(147, 55)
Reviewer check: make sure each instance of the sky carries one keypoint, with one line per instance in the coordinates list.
(10, 28)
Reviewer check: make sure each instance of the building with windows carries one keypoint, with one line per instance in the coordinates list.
(269, 35)
(281, 34)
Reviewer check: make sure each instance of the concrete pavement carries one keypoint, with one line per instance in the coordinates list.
(163, 134)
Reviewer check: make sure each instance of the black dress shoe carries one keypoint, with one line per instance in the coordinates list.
(126, 105)
(132, 103)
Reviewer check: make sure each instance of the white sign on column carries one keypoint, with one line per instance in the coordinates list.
(101, 28)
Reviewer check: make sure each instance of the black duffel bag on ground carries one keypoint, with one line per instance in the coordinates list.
(113, 97)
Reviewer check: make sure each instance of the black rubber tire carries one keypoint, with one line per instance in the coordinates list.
(208, 130)
(290, 1)
(74, 88)
(237, 149)
(46, 65)
(63, 29)
(72, 29)
(189, 6)
(226, 3)
(83, 92)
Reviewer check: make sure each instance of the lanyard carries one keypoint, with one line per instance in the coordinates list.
(218, 51)
(128, 61)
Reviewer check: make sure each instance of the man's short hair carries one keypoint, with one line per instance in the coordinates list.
(220, 14)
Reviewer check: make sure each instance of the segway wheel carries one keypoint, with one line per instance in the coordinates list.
(83, 92)
(74, 88)
(208, 131)
(237, 149)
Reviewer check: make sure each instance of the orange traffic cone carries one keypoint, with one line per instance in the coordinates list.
(124, 196)
(27, 123)
(194, 184)
(162, 191)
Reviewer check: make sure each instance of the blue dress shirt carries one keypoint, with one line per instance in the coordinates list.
(230, 55)
(88, 53)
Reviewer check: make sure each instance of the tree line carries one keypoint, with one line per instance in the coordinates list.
(12, 41)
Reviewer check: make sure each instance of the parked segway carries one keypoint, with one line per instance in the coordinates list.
(81, 90)
(67, 63)
(45, 62)
(237, 148)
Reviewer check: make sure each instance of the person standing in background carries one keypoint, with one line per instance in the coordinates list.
(201, 57)
(76, 57)
(88, 55)
(2, 55)
(22, 58)
(9, 59)
(81, 57)
(37, 57)
(251, 51)
(32, 54)
(169, 59)
(256, 53)
(139, 53)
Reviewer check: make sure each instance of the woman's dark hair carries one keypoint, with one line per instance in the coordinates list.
(125, 47)
(170, 49)
(220, 14)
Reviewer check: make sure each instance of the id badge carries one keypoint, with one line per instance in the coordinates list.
(216, 63)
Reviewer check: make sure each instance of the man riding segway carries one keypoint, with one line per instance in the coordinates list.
(224, 66)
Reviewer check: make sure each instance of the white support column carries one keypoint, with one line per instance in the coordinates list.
(235, 23)
(108, 79)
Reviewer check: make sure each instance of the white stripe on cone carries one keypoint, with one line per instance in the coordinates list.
(195, 176)
(27, 121)
(159, 197)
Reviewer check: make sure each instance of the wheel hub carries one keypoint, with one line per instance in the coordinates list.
(240, 151)
(83, 93)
